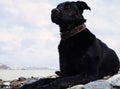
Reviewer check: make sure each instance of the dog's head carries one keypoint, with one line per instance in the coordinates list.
(69, 14)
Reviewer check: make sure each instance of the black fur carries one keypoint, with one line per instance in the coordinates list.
(83, 54)
(83, 57)
(86, 55)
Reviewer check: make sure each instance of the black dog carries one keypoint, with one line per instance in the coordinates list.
(83, 57)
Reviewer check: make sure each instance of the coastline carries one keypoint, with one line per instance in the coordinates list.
(16, 83)
(8, 75)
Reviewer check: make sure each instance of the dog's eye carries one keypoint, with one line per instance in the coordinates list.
(67, 6)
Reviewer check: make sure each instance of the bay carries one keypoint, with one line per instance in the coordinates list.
(7, 75)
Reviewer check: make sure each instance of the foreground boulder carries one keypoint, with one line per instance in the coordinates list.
(115, 80)
(111, 83)
(106, 83)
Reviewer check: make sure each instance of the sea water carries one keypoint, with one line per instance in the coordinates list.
(15, 74)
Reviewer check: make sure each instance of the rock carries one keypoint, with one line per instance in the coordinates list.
(106, 83)
(111, 83)
(98, 85)
(94, 85)
(21, 79)
(115, 80)
(77, 87)
(6, 83)
(30, 80)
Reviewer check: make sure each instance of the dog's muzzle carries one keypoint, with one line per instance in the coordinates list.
(55, 11)
(55, 15)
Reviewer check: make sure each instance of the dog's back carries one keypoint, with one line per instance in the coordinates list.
(108, 61)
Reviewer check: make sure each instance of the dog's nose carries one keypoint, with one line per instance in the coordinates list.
(55, 11)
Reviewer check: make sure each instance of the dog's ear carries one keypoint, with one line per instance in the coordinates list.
(82, 6)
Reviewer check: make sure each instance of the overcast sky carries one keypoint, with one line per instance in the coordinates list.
(29, 38)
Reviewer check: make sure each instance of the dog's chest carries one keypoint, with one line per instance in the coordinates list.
(71, 49)
(73, 54)
(76, 45)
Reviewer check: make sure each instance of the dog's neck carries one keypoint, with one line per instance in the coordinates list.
(74, 31)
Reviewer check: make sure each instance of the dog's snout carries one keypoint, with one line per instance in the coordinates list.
(55, 11)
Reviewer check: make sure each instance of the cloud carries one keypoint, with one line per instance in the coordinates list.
(104, 22)
(26, 12)
(27, 34)
(26, 46)
(24, 34)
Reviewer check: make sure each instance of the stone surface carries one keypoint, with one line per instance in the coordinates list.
(98, 85)
(115, 80)
(94, 85)
(110, 83)
(77, 87)
(107, 83)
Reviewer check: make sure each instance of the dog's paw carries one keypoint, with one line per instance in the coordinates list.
(58, 73)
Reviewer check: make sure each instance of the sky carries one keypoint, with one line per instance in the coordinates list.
(29, 38)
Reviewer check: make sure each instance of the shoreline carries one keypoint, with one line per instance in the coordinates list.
(8, 75)
(16, 83)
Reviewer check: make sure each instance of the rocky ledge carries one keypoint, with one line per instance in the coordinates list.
(17, 83)
(106, 83)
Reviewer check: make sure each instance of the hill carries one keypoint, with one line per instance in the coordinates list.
(2, 66)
